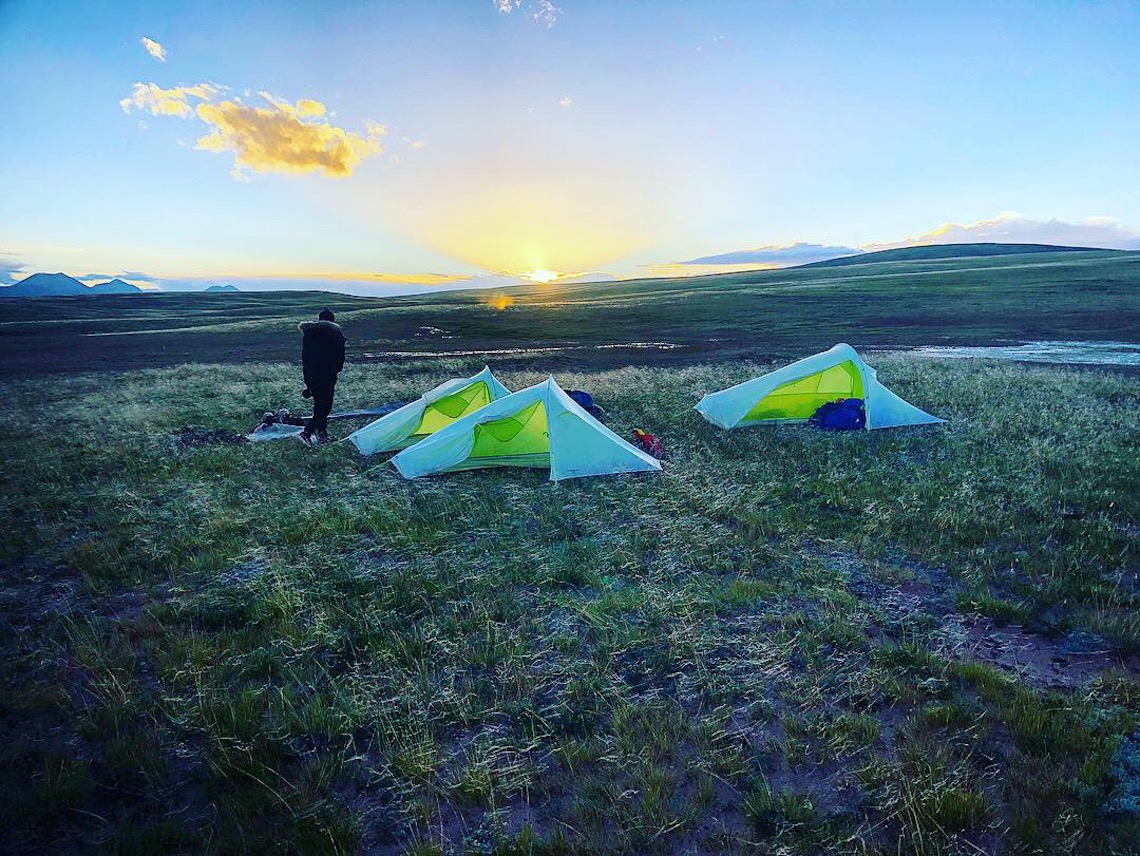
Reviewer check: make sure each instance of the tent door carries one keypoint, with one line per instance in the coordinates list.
(443, 411)
(797, 400)
(519, 440)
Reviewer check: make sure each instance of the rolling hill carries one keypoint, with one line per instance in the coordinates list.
(933, 252)
(1073, 296)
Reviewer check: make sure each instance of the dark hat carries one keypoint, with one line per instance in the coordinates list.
(326, 315)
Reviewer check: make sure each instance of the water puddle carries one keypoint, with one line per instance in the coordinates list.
(1082, 353)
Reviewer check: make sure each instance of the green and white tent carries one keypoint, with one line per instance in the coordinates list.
(540, 426)
(436, 409)
(794, 392)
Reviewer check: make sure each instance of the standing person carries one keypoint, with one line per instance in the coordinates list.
(322, 358)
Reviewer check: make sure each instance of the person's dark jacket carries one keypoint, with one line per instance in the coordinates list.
(322, 352)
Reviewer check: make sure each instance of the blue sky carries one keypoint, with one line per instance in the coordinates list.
(377, 142)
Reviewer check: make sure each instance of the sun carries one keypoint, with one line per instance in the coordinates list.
(543, 276)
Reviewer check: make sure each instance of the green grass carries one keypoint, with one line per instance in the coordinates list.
(264, 647)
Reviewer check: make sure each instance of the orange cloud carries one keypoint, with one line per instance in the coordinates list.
(166, 102)
(352, 276)
(283, 137)
(290, 138)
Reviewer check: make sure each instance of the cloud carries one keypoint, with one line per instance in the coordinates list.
(590, 276)
(139, 276)
(288, 137)
(285, 137)
(167, 102)
(1009, 227)
(546, 13)
(10, 266)
(154, 49)
(414, 145)
(363, 284)
(542, 11)
(372, 283)
(676, 270)
(776, 256)
(565, 102)
(143, 280)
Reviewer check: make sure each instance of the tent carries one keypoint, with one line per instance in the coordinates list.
(793, 393)
(540, 426)
(436, 409)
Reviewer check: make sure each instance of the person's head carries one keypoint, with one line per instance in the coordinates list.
(326, 315)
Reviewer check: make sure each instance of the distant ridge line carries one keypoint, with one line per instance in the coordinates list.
(927, 252)
(62, 285)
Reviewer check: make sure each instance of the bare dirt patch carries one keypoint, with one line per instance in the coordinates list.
(1067, 663)
(926, 596)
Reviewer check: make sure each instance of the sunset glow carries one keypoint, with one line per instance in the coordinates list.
(433, 146)
(542, 276)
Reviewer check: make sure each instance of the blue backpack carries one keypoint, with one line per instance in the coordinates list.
(846, 414)
(586, 401)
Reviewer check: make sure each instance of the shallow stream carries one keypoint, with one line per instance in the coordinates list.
(1084, 353)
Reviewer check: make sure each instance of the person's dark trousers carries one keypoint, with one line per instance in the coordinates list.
(322, 406)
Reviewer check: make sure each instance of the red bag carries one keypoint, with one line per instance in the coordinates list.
(648, 443)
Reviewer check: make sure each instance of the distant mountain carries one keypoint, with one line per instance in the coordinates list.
(221, 289)
(930, 252)
(46, 285)
(62, 285)
(114, 286)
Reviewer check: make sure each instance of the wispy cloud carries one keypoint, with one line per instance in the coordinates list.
(1009, 227)
(167, 102)
(546, 12)
(97, 278)
(542, 11)
(676, 270)
(565, 102)
(776, 256)
(287, 137)
(138, 276)
(370, 283)
(134, 277)
(10, 266)
(154, 49)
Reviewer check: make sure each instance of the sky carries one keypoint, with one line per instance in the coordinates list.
(382, 147)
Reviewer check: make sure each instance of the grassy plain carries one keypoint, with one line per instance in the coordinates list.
(780, 313)
(916, 641)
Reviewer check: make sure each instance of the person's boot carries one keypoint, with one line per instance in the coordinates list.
(323, 438)
(306, 437)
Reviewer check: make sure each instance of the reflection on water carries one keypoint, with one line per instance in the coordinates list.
(551, 349)
(1086, 353)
